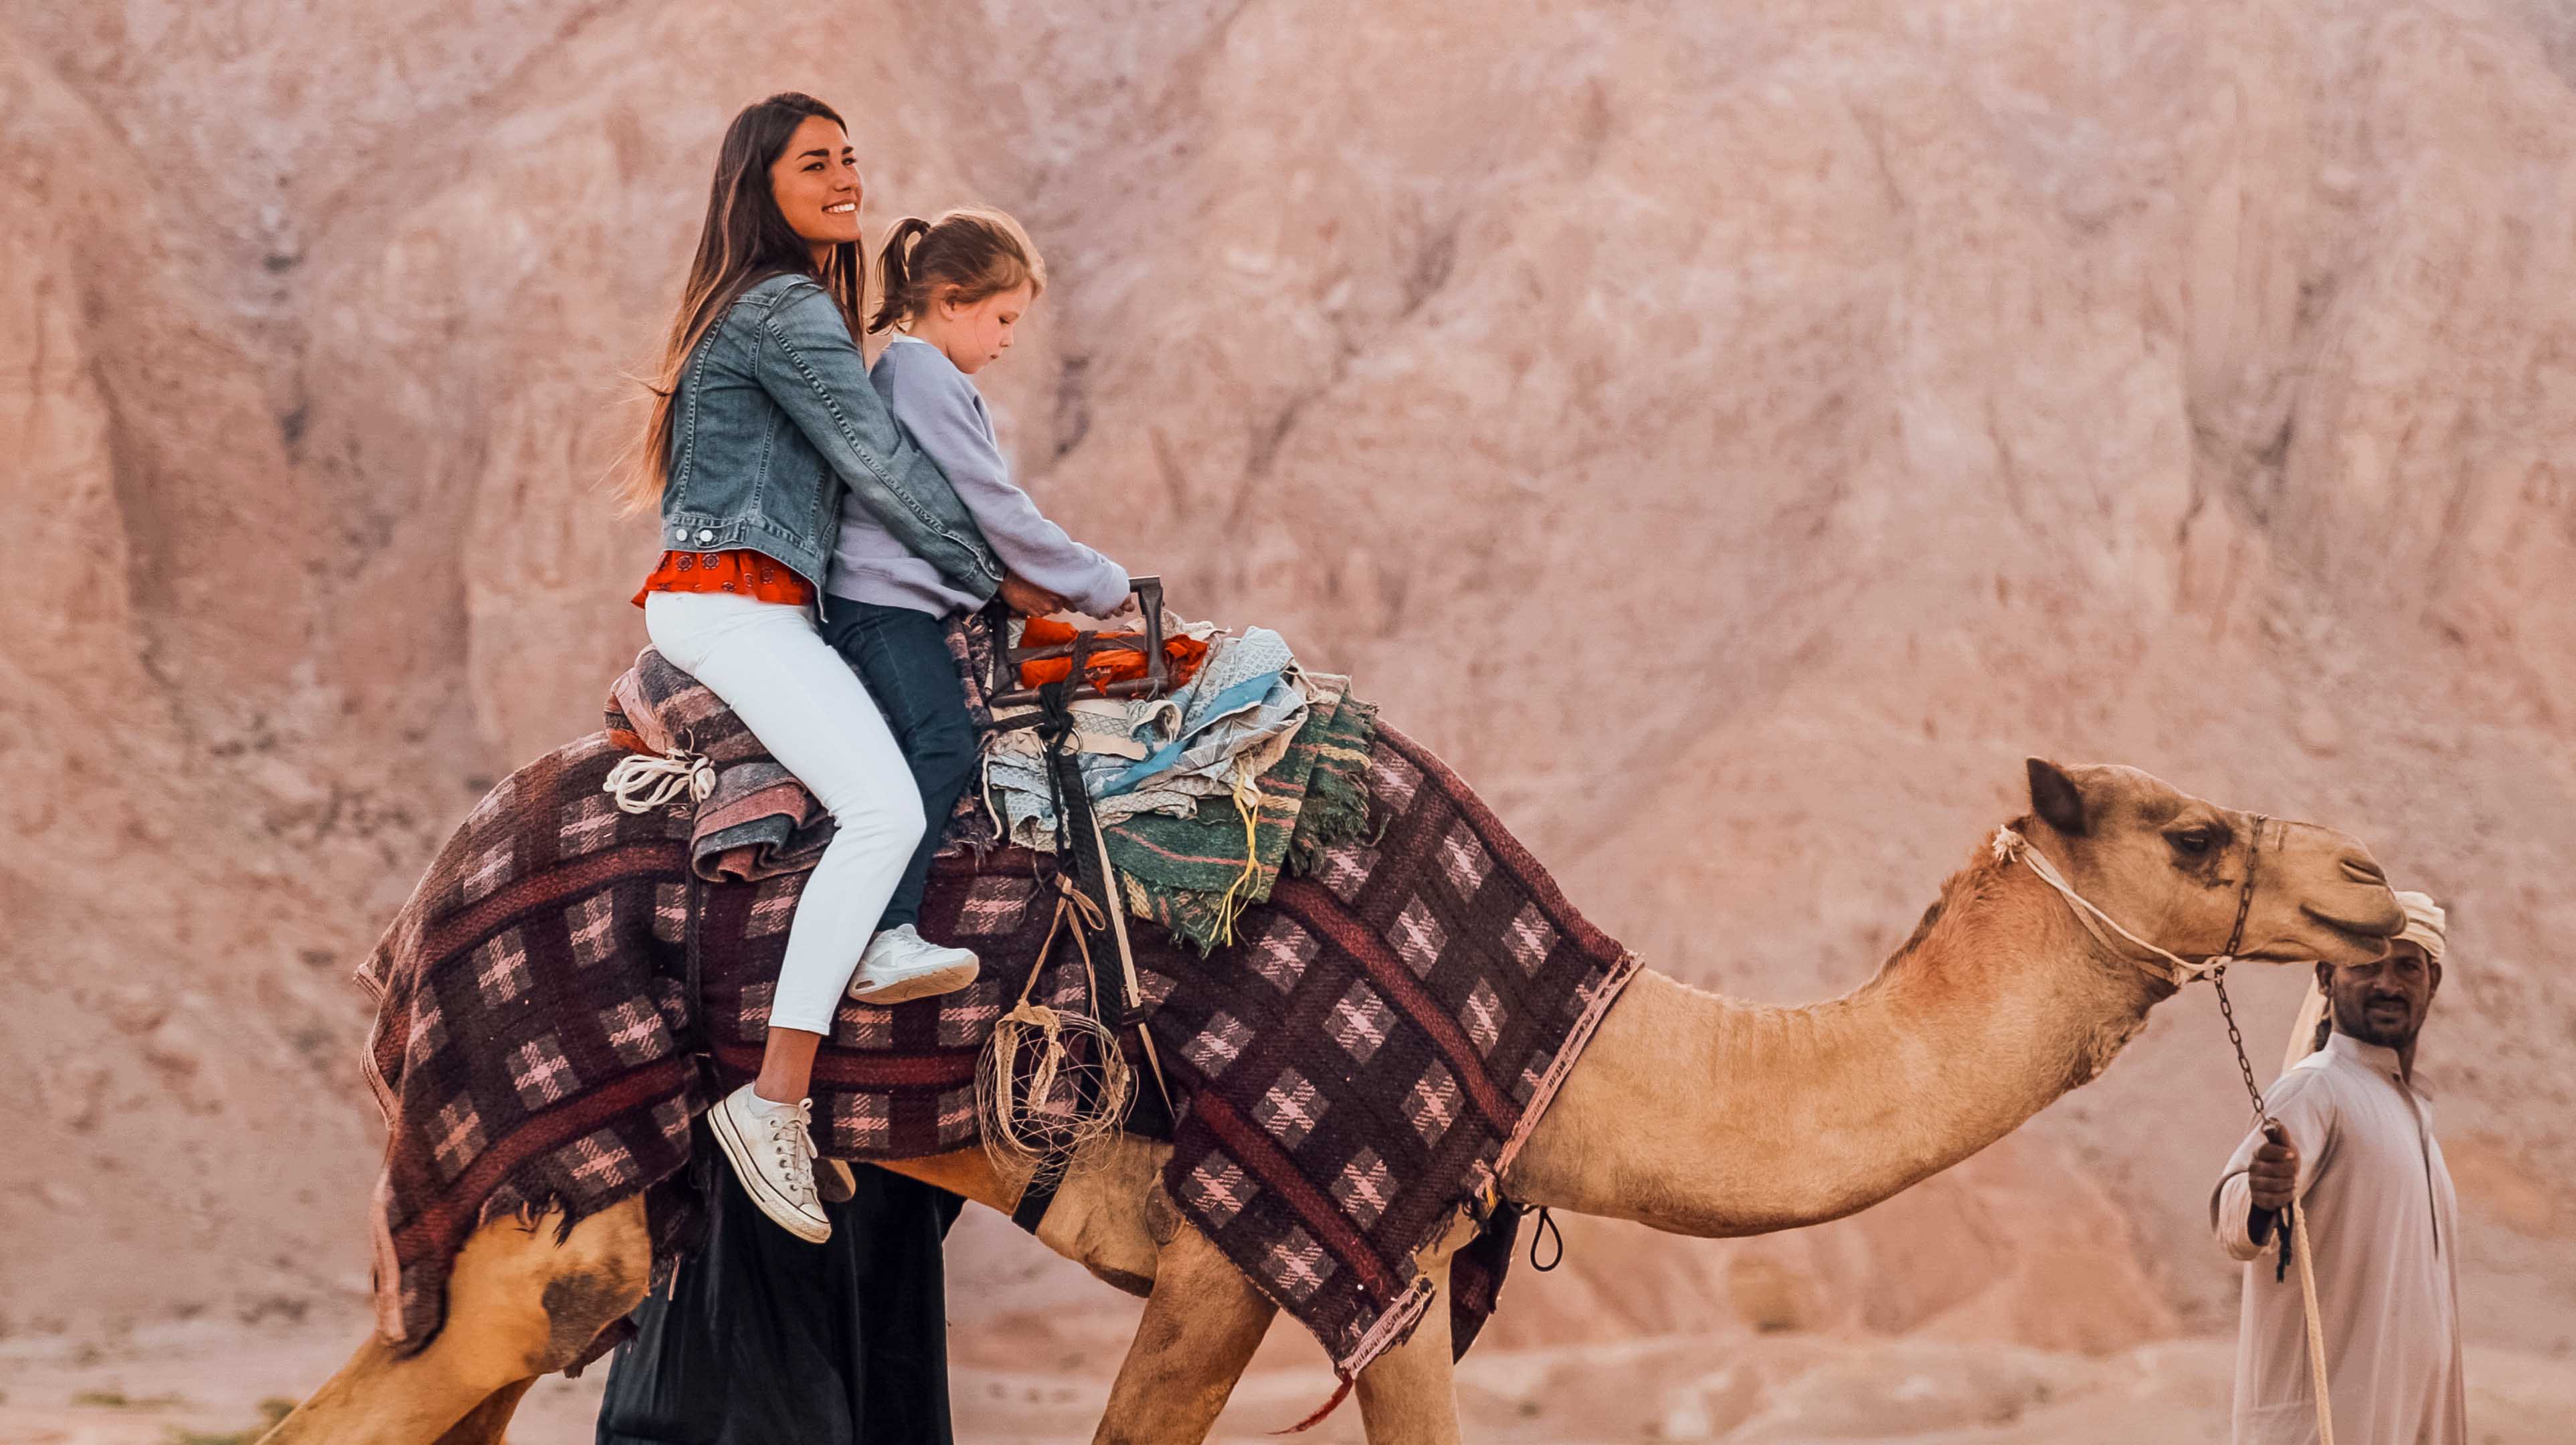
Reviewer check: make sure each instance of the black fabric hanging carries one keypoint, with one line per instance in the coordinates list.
(765, 1339)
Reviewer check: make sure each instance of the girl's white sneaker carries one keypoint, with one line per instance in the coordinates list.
(900, 964)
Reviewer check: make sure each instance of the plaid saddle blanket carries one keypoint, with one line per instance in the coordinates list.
(1360, 1064)
(1371, 1053)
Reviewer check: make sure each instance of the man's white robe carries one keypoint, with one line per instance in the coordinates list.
(2382, 1221)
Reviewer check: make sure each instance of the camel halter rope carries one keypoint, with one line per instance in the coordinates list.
(2178, 971)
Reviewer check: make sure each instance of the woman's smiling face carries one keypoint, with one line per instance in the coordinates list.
(815, 181)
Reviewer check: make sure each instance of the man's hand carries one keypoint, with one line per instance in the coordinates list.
(2274, 1175)
(1029, 599)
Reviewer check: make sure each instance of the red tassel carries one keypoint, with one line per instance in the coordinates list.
(1311, 1421)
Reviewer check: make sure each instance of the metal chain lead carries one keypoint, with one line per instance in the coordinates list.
(2294, 1238)
(2218, 975)
(2236, 1041)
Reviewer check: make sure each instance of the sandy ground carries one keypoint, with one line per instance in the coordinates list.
(204, 1383)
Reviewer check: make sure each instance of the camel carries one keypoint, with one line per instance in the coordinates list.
(2002, 1000)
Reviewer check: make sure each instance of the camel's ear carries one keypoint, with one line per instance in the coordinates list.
(2055, 798)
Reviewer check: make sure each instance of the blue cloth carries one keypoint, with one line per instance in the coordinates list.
(1255, 703)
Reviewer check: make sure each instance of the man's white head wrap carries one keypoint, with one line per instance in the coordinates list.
(2427, 927)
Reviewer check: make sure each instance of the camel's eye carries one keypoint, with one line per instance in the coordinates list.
(2192, 842)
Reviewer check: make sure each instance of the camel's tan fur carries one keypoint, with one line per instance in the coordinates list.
(1997, 1005)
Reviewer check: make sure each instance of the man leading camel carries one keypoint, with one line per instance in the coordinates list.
(2381, 1217)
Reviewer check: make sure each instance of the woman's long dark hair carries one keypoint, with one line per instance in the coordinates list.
(745, 241)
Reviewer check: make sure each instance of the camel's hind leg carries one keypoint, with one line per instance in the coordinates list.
(1201, 1325)
(1406, 1395)
(519, 1305)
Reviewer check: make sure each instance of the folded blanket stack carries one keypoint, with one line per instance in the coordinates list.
(1195, 875)
(1211, 739)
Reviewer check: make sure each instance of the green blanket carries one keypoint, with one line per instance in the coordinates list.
(1195, 875)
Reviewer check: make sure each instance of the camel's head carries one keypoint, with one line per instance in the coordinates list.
(2171, 869)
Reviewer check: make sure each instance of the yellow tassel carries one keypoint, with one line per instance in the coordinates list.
(1247, 801)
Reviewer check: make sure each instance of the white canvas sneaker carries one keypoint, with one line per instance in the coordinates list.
(773, 1155)
(900, 964)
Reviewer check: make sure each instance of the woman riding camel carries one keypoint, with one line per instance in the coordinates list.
(766, 1339)
(763, 419)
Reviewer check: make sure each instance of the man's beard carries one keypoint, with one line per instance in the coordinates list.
(2358, 1023)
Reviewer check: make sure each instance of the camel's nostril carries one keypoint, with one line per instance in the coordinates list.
(2362, 868)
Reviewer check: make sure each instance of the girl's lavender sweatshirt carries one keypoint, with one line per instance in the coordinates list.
(944, 413)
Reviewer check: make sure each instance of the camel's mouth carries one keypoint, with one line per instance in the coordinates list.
(2367, 939)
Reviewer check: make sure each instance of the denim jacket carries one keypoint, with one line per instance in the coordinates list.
(774, 416)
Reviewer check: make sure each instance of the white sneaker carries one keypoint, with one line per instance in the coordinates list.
(773, 1155)
(900, 964)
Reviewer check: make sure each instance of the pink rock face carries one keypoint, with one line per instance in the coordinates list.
(1735, 439)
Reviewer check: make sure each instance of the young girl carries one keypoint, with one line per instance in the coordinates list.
(763, 424)
(954, 290)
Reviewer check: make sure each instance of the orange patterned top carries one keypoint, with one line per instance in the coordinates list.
(742, 571)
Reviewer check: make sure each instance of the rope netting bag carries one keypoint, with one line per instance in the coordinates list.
(1052, 1082)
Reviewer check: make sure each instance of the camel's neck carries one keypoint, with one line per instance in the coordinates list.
(1702, 1115)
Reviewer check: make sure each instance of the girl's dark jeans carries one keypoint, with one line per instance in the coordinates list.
(903, 657)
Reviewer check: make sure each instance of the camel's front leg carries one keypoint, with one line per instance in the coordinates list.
(1406, 1394)
(1202, 1323)
(518, 1306)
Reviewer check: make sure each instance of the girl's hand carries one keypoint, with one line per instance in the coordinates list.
(1029, 599)
(1126, 607)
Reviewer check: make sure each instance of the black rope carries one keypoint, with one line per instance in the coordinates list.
(694, 980)
(1063, 772)
(1077, 839)
(693, 904)
(1074, 832)
(699, 1046)
(1546, 1226)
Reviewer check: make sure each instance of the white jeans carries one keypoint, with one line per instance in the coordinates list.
(809, 709)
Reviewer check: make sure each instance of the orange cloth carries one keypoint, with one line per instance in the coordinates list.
(1111, 663)
(742, 571)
